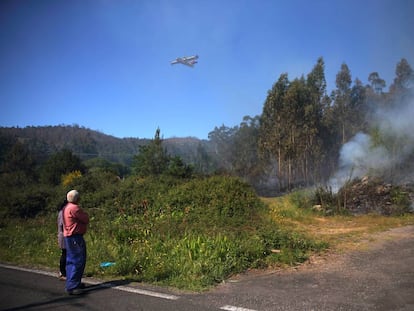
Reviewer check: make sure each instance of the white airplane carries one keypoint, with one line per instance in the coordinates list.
(186, 60)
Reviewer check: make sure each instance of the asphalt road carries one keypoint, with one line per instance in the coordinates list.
(31, 290)
(378, 277)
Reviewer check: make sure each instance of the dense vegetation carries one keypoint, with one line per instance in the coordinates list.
(185, 212)
(183, 232)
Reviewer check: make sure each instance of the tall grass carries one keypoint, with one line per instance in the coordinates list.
(29, 242)
(190, 261)
(189, 235)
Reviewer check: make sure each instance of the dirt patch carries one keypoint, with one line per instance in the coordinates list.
(368, 242)
(335, 231)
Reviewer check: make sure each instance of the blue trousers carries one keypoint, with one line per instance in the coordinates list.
(75, 260)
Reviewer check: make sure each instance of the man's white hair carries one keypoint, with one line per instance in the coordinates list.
(73, 196)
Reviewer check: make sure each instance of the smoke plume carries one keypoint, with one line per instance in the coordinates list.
(394, 143)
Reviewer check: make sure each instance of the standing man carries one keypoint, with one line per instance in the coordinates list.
(75, 222)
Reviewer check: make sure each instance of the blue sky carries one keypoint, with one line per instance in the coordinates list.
(105, 64)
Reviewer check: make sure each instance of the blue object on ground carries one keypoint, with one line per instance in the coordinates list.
(107, 264)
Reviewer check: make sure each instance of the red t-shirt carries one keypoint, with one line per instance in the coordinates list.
(75, 220)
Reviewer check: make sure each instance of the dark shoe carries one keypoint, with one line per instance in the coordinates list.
(76, 291)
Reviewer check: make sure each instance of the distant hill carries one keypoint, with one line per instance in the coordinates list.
(86, 143)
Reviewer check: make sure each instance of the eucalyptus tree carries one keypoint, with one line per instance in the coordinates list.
(272, 130)
(246, 162)
(342, 101)
(291, 127)
(315, 108)
(359, 108)
(403, 82)
(376, 83)
(404, 75)
(374, 92)
(295, 141)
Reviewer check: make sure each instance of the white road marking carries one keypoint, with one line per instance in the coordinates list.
(233, 308)
(108, 285)
(29, 270)
(141, 291)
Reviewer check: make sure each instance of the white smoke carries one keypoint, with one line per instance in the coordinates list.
(362, 156)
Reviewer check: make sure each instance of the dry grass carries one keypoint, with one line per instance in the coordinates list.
(343, 233)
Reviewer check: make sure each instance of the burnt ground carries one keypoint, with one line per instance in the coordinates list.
(374, 195)
(377, 276)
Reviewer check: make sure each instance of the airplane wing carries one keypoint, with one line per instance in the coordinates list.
(192, 58)
(187, 58)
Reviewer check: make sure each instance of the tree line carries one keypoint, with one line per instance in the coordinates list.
(297, 139)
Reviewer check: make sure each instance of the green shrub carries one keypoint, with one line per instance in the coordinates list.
(139, 195)
(301, 199)
(25, 202)
(287, 247)
(216, 201)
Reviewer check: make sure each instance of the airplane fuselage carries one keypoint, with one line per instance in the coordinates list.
(188, 60)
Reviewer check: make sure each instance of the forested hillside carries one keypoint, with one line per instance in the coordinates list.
(43, 141)
(85, 143)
